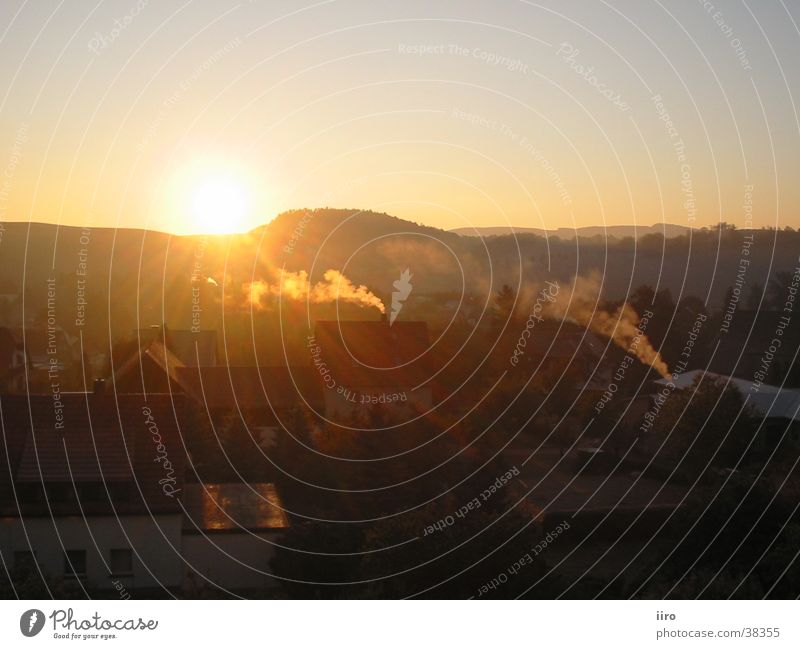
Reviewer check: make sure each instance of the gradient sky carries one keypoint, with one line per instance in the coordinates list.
(323, 103)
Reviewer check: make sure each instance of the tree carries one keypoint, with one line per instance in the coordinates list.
(686, 314)
(504, 302)
(224, 451)
(319, 559)
(742, 544)
(430, 552)
(704, 424)
(755, 295)
(644, 298)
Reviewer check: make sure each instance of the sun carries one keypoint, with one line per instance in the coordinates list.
(209, 193)
(220, 205)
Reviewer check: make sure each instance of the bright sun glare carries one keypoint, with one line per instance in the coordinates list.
(220, 205)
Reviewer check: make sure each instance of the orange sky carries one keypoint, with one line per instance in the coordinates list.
(458, 114)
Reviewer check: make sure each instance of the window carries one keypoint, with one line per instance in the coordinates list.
(121, 562)
(75, 563)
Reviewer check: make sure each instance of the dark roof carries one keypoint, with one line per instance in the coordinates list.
(250, 388)
(160, 355)
(233, 506)
(103, 439)
(374, 354)
(192, 348)
(80, 454)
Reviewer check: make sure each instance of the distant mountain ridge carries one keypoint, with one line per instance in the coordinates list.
(669, 230)
(123, 280)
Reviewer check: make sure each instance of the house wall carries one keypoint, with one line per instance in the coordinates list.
(150, 538)
(210, 556)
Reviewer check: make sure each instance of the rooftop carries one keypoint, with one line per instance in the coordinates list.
(192, 348)
(374, 353)
(224, 387)
(91, 439)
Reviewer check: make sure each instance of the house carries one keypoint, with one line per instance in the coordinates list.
(267, 398)
(10, 309)
(85, 499)
(367, 363)
(47, 347)
(97, 496)
(192, 348)
(12, 362)
(258, 390)
(33, 358)
(149, 362)
(150, 369)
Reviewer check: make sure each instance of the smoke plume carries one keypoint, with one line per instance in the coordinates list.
(621, 326)
(296, 286)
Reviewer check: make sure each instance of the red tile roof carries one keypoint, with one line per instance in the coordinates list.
(249, 388)
(364, 354)
(85, 456)
(160, 355)
(192, 348)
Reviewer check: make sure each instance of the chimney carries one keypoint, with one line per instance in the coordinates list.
(383, 317)
(99, 386)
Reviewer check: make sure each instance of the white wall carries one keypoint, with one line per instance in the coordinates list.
(147, 538)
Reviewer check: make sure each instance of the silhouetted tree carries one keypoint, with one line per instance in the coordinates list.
(704, 425)
(503, 308)
(742, 543)
(754, 297)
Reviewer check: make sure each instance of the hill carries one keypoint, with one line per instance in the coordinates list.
(669, 230)
(130, 279)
